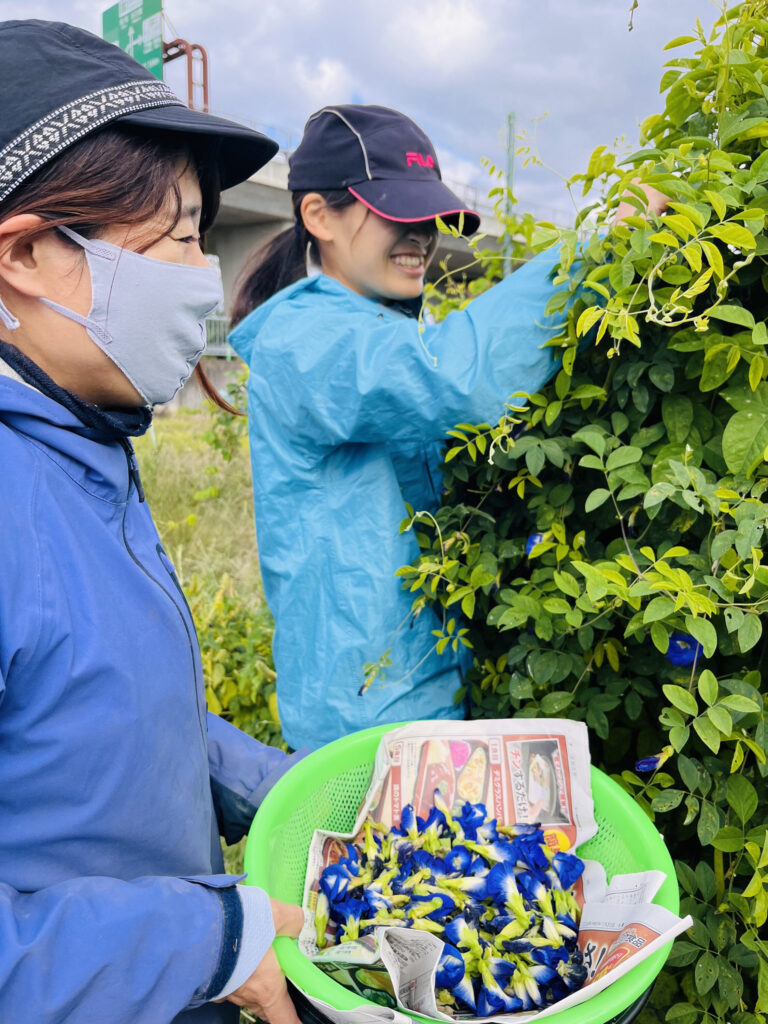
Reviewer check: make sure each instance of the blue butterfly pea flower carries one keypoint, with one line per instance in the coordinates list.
(683, 650)
(472, 817)
(349, 914)
(450, 968)
(335, 880)
(533, 540)
(532, 885)
(647, 764)
(464, 994)
(501, 884)
(458, 859)
(568, 867)
(442, 906)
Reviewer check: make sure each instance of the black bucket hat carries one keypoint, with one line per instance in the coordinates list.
(60, 83)
(383, 158)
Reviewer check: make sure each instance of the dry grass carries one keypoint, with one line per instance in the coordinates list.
(202, 505)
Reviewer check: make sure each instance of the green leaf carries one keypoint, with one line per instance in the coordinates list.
(733, 234)
(681, 699)
(663, 376)
(718, 204)
(749, 632)
(588, 319)
(677, 414)
(706, 972)
(745, 439)
(667, 800)
(658, 493)
(732, 315)
(708, 824)
(689, 772)
(704, 632)
(624, 456)
(742, 797)
(686, 877)
(708, 733)
(729, 839)
(739, 703)
(658, 608)
(679, 41)
(554, 703)
(597, 498)
(592, 437)
(721, 720)
(707, 687)
(660, 637)
(567, 583)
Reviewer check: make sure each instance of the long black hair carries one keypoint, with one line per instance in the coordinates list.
(283, 260)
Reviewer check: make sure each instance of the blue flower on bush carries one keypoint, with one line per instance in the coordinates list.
(683, 650)
(533, 540)
(647, 764)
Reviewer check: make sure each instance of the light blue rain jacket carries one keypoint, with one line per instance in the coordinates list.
(112, 775)
(348, 416)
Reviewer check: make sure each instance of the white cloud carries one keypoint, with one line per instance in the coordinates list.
(322, 81)
(438, 37)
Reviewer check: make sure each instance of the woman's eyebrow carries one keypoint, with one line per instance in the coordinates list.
(192, 211)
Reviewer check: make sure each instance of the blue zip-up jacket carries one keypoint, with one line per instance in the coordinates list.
(112, 774)
(348, 416)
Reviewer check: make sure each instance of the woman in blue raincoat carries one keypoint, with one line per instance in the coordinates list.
(115, 785)
(349, 404)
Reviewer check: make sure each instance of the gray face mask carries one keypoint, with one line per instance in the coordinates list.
(147, 315)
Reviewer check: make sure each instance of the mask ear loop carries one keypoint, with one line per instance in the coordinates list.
(7, 318)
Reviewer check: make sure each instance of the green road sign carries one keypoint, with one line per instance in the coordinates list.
(136, 26)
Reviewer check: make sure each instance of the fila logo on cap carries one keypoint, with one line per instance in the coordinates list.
(420, 159)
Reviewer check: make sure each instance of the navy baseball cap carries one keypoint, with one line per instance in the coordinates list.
(383, 158)
(60, 83)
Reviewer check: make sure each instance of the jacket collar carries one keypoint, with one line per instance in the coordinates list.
(101, 424)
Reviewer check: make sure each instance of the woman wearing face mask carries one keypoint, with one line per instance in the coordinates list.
(349, 404)
(114, 783)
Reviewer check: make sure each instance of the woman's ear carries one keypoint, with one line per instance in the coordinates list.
(315, 213)
(19, 259)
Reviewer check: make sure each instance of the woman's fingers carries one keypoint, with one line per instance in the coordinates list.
(288, 918)
(266, 993)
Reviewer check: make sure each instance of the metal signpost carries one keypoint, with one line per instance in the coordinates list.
(136, 26)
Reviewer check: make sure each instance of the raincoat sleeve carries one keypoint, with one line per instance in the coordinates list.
(100, 949)
(366, 379)
(242, 773)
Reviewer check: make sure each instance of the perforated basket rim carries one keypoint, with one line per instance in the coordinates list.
(330, 761)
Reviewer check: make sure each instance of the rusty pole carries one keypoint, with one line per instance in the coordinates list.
(195, 54)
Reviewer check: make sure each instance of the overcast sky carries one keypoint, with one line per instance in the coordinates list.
(569, 67)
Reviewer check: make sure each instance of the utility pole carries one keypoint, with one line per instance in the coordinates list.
(508, 247)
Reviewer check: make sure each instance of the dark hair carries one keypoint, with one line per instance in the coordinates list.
(282, 260)
(119, 175)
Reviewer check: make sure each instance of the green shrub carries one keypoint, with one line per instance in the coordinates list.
(236, 650)
(605, 541)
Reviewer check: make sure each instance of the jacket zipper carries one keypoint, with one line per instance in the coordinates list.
(134, 478)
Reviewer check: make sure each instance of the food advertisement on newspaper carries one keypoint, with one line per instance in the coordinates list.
(459, 892)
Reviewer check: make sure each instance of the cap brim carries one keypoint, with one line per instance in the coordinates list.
(411, 201)
(242, 151)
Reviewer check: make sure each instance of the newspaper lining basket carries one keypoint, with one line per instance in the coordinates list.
(326, 789)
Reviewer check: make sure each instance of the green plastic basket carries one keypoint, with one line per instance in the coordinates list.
(325, 791)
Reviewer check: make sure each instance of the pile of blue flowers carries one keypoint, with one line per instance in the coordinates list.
(499, 898)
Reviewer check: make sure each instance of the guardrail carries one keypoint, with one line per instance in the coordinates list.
(216, 344)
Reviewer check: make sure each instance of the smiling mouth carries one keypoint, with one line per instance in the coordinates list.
(411, 262)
